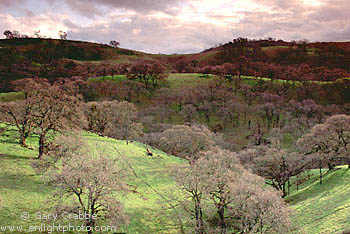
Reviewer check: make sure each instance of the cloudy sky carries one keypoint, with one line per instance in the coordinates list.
(178, 26)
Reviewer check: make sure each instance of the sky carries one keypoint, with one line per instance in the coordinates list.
(178, 26)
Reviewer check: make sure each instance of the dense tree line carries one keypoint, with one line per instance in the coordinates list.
(330, 55)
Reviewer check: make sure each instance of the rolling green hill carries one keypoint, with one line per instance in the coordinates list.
(22, 190)
(317, 208)
(323, 208)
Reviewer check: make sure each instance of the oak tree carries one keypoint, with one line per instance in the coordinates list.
(54, 108)
(329, 140)
(89, 180)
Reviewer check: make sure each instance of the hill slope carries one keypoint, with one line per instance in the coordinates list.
(50, 58)
(323, 208)
(21, 190)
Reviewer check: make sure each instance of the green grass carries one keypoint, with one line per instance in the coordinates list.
(207, 56)
(182, 80)
(175, 80)
(252, 80)
(9, 97)
(22, 190)
(273, 47)
(323, 208)
(116, 78)
(317, 208)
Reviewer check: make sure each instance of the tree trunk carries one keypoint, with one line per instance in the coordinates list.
(137, 97)
(320, 172)
(330, 166)
(90, 222)
(41, 146)
(221, 213)
(297, 182)
(284, 190)
(201, 231)
(269, 124)
(23, 140)
(208, 120)
(199, 217)
(127, 135)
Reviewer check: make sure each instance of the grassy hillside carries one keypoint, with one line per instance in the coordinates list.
(13, 96)
(318, 208)
(58, 49)
(323, 208)
(21, 190)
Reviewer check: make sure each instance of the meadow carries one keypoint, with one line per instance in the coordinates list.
(322, 208)
(316, 208)
(23, 190)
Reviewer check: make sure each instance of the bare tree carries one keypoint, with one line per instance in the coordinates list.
(190, 180)
(63, 35)
(259, 209)
(37, 34)
(189, 113)
(278, 166)
(123, 124)
(99, 115)
(114, 44)
(63, 147)
(220, 196)
(20, 114)
(185, 141)
(54, 107)
(89, 180)
(330, 141)
(41, 102)
(150, 74)
(8, 34)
